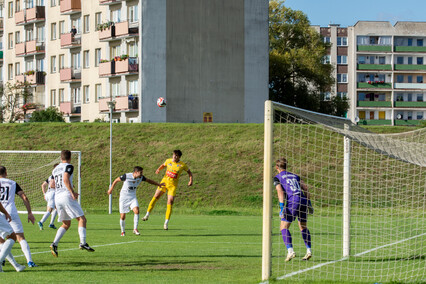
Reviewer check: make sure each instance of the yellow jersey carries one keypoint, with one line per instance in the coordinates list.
(173, 171)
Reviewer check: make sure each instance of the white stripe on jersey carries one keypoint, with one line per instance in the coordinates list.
(8, 189)
(130, 184)
(58, 175)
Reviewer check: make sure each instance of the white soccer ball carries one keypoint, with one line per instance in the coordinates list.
(161, 102)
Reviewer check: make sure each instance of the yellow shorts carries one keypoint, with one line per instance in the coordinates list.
(169, 188)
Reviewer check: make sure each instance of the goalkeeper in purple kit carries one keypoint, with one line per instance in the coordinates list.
(297, 205)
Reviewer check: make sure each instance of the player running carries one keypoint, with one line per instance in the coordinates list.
(298, 200)
(128, 200)
(49, 196)
(174, 169)
(66, 203)
(8, 190)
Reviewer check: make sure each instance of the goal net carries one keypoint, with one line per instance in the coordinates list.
(31, 168)
(368, 192)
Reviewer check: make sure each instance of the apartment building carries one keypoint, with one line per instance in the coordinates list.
(209, 59)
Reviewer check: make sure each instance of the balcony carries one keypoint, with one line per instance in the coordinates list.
(20, 18)
(107, 69)
(20, 49)
(70, 41)
(410, 104)
(383, 48)
(35, 15)
(34, 48)
(69, 7)
(70, 108)
(410, 48)
(375, 122)
(421, 86)
(70, 75)
(365, 85)
(125, 103)
(107, 34)
(33, 78)
(109, 2)
(374, 67)
(374, 104)
(122, 29)
(410, 67)
(126, 66)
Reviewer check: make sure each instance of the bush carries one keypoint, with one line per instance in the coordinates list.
(51, 114)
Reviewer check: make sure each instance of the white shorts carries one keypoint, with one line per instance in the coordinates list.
(127, 203)
(5, 228)
(67, 207)
(50, 199)
(16, 223)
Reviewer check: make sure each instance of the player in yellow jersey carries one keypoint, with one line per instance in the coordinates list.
(174, 168)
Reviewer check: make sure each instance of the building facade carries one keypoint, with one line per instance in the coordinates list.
(208, 59)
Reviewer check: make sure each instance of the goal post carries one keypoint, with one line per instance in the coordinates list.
(368, 192)
(31, 168)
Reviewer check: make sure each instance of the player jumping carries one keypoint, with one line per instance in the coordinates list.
(171, 178)
(128, 200)
(297, 197)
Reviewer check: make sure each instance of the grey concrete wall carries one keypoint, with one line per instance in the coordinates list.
(256, 59)
(152, 76)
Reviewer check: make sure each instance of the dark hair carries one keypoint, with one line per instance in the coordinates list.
(2, 170)
(66, 155)
(137, 169)
(281, 163)
(55, 165)
(177, 152)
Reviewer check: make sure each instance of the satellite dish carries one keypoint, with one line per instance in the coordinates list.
(398, 116)
(356, 119)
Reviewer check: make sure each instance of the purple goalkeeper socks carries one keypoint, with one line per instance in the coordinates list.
(306, 235)
(287, 238)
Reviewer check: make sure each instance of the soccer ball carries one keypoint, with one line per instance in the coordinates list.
(161, 102)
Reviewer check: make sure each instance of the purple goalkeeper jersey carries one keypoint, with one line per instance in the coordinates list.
(291, 185)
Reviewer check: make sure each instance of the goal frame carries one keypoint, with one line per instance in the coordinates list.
(50, 152)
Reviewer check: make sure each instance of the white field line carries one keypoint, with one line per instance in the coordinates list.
(344, 258)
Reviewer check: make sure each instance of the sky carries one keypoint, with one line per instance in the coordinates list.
(348, 12)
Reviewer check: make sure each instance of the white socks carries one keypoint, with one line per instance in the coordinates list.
(59, 234)
(26, 249)
(309, 251)
(290, 250)
(122, 225)
(54, 214)
(6, 248)
(135, 221)
(166, 222)
(82, 234)
(45, 216)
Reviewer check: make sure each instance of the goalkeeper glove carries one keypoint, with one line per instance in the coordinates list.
(281, 210)
(310, 208)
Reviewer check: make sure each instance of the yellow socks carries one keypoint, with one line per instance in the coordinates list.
(152, 204)
(169, 211)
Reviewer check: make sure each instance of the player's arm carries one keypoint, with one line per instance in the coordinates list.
(6, 214)
(305, 189)
(190, 177)
(155, 183)
(26, 203)
(160, 168)
(44, 187)
(113, 185)
(67, 183)
(280, 193)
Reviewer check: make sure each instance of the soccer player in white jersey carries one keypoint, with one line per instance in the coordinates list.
(7, 236)
(66, 203)
(10, 188)
(128, 200)
(49, 196)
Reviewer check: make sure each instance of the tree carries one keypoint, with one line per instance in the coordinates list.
(297, 75)
(51, 114)
(11, 97)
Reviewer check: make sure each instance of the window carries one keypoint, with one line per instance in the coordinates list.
(53, 31)
(52, 3)
(132, 49)
(75, 59)
(77, 24)
(10, 40)
(115, 89)
(61, 61)
(133, 87)
(409, 115)
(76, 95)
(133, 14)
(97, 56)
(115, 51)
(61, 27)
(53, 64)
(326, 39)
(327, 96)
(419, 42)
(86, 24)
(98, 92)
(98, 19)
(410, 42)
(86, 94)
(18, 6)
(419, 115)
(40, 64)
(342, 59)
(400, 78)
(17, 68)
(419, 60)
(410, 60)
(86, 59)
(326, 59)
(10, 72)
(409, 79)
(17, 37)
(29, 65)
(29, 35)
(61, 95)
(419, 79)
(52, 97)
(342, 41)
(409, 97)
(10, 9)
(382, 60)
(419, 97)
(40, 34)
(342, 78)
(342, 95)
(361, 59)
(400, 60)
(116, 16)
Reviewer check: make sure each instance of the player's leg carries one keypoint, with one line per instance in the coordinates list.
(25, 249)
(136, 219)
(287, 239)
(123, 224)
(306, 235)
(170, 201)
(6, 248)
(82, 222)
(44, 218)
(52, 219)
(59, 234)
(158, 193)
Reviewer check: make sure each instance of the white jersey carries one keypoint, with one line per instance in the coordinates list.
(130, 184)
(58, 175)
(49, 189)
(8, 190)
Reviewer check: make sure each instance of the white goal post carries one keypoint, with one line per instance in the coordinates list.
(368, 192)
(31, 168)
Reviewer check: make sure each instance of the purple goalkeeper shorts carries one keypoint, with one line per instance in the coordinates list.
(296, 208)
